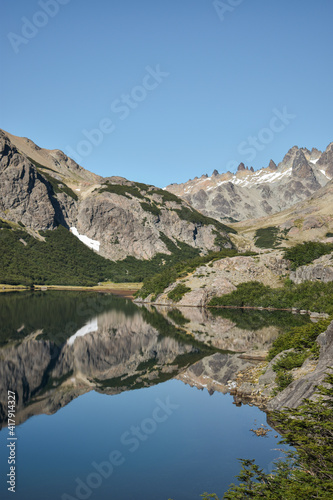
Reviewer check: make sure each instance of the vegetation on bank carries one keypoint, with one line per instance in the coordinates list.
(306, 474)
(300, 344)
(301, 339)
(307, 252)
(313, 296)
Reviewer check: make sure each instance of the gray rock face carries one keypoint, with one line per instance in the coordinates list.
(215, 373)
(320, 270)
(224, 275)
(26, 196)
(305, 387)
(326, 160)
(43, 189)
(248, 194)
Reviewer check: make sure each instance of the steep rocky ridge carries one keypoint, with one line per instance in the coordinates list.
(118, 218)
(251, 194)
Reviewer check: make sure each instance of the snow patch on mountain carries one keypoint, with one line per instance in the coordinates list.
(93, 244)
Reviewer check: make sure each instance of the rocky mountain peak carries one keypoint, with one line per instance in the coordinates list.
(56, 162)
(315, 153)
(288, 158)
(241, 167)
(272, 165)
(326, 161)
(301, 168)
(249, 194)
(215, 173)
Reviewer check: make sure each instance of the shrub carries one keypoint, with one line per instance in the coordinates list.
(178, 292)
(267, 237)
(151, 207)
(307, 252)
(306, 474)
(283, 379)
(314, 296)
(122, 190)
(166, 195)
(291, 360)
(192, 215)
(299, 338)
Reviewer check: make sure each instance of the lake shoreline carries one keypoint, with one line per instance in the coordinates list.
(129, 293)
(123, 291)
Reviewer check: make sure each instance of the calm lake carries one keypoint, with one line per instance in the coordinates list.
(99, 413)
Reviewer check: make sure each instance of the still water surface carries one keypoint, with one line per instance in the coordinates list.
(99, 413)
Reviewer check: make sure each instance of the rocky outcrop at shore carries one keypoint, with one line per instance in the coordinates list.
(222, 276)
(306, 384)
(252, 380)
(320, 270)
(257, 385)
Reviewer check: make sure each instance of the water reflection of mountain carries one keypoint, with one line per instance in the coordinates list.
(121, 348)
(236, 330)
(56, 346)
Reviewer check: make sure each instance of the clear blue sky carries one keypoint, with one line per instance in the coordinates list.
(227, 72)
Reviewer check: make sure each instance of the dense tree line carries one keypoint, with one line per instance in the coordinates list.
(62, 259)
(313, 296)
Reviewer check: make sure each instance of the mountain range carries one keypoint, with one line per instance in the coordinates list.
(250, 194)
(52, 209)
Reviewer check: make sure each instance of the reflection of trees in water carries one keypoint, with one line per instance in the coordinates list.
(58, 314)
(121, 346)
(130, 348)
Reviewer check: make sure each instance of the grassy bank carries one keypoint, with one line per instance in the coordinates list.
(123, 289)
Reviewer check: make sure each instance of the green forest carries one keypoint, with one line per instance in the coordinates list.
(62, 259)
